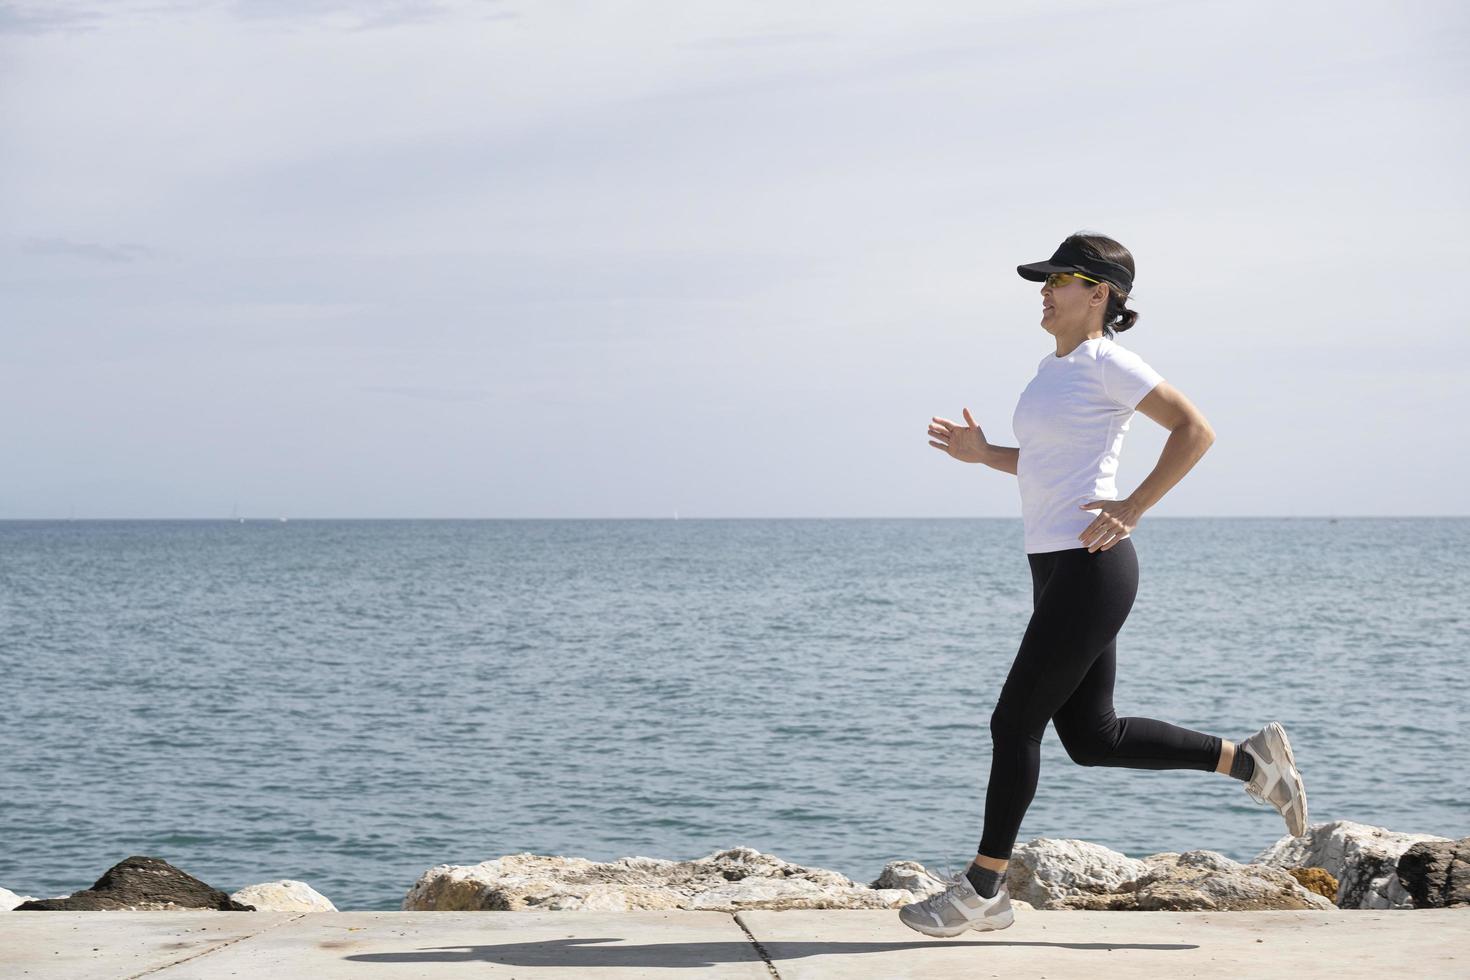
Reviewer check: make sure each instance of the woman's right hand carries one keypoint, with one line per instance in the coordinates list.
(965, 443)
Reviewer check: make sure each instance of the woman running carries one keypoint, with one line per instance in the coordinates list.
(1070, 421)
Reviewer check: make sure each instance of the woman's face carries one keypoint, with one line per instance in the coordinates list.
(1069, 306)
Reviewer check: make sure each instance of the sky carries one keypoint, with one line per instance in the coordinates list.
(319, 258)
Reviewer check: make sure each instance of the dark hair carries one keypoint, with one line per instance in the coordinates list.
(1115, 315)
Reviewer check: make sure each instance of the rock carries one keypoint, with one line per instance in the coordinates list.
(283, 896)
(141, 884)
(1057, 874)
(725, 881)
(1336, 865)
(911, 877)
(1045, 870)
(1316, 880)
(1363, 859)
(1077, 874)
(1203, 881)
(1436, 874)
(9, 899)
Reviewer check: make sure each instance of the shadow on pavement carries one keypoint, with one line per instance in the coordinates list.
(581, 953)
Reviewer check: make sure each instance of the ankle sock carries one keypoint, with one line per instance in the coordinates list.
(1244, 767)
(986, 882)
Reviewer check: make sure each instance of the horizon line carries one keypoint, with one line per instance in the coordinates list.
(976, 517)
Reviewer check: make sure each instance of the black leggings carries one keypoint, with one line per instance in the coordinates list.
(1064, 674)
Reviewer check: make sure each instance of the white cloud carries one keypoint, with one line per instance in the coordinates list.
(91, 251)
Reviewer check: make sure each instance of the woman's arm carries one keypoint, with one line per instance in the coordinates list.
(967, 443)
(1002, 458)
(1189, 436)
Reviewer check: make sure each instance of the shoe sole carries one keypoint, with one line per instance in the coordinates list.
(1010, 919)
(1296, 776)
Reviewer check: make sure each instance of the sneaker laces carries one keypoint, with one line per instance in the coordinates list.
(950, 880)
(1254, 795)
(1254, 776)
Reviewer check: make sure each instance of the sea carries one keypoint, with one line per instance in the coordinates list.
(350, 703)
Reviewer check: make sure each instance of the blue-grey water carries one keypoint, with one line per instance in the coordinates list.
(349, 703)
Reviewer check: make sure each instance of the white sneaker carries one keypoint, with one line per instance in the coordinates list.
(958, 908)
(1276, 780)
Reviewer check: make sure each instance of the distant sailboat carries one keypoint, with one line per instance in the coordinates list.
(676, 515)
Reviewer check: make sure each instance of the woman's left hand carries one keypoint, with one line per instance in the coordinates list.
(1116, 518)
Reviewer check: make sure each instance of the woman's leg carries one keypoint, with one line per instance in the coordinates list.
(1227, 756)
(1094, 735)
(1082, 599)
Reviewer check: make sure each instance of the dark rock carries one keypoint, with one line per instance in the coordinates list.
(1436, 874)
(140, 884)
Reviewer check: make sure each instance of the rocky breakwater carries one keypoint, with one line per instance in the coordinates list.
(1341, 864)
(1335, 865)
(725, 881)
(150, 884)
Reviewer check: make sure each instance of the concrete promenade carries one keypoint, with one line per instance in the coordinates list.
(753, 945)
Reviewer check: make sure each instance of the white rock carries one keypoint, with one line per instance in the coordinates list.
(9, 899)
(1363, 859)
(1209, 880)
(728, 881)
(1078, 874)
(909, 876)
(908, 881)
(1045, 869)
(1043, 873)
(283, 896)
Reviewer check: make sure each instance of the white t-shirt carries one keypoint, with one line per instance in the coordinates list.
(1070, 421)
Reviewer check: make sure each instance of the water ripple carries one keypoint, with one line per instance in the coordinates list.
(349, 703)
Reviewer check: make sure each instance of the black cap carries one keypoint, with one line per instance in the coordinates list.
(1070, 258)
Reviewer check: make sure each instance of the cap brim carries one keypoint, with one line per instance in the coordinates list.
(1038, 271)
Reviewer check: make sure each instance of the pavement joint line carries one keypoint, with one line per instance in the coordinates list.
(206, 952)
(766, 957)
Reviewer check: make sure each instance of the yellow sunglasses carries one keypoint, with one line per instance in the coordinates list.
(1062, 278)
